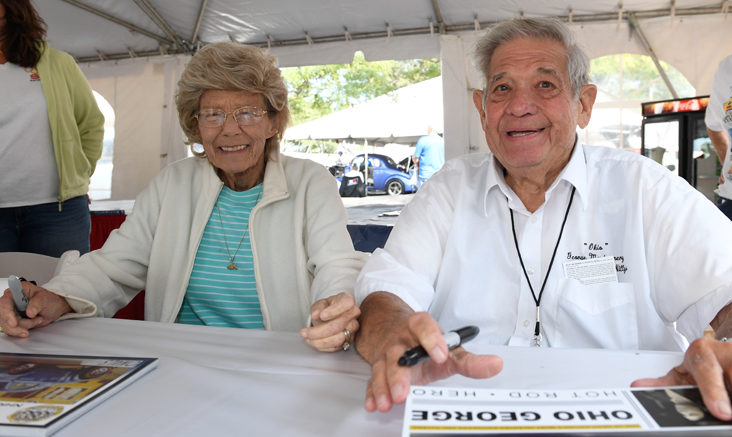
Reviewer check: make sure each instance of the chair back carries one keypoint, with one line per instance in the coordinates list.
(33, 266)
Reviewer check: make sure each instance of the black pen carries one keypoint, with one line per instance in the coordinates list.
(453, 339)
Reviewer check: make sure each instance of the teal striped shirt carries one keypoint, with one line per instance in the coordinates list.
(217, 296)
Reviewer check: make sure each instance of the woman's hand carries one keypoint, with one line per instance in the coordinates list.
(332, 317)
(43, 308)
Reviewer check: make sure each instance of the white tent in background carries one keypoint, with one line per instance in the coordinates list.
(399, 117)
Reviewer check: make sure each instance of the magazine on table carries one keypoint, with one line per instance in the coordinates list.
(40, 394)
(664, 411)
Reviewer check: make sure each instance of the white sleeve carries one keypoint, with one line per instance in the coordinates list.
(688, 258)
(332, 260)
(103, 281)
(410, 263)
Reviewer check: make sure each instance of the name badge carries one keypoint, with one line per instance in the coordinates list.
(592, 271)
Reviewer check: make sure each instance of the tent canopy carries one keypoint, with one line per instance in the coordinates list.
(83, 27)
(399, 117)
(135, 63)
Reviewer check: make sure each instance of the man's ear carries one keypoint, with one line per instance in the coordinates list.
(584, 105)
(478, 101)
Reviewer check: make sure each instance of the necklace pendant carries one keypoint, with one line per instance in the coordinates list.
(232, 266)
(536, 341)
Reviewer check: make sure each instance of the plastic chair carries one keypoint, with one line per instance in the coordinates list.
(42, 268)
(33, 266)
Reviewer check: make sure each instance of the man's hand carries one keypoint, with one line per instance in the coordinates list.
(43, 308)
(707, 364)
(331, 317)
(389, 328)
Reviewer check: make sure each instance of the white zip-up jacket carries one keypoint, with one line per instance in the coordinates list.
(301, 247)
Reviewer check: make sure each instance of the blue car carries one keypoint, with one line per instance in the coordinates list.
(384, 174)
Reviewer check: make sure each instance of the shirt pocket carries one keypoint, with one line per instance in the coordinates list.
(596, 316)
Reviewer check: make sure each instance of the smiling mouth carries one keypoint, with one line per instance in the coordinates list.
(523, 133)
(233, 148)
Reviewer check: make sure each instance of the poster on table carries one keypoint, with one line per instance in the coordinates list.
(440, 411)
(39, 394)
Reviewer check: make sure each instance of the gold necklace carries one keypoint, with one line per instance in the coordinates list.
(233, 266)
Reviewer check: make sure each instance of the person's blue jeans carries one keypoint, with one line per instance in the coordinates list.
(725, 205)
(46, 230)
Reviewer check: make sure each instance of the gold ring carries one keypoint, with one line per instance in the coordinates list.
(2, 330)
(347, 333)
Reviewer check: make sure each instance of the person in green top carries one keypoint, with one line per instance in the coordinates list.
(51, 133)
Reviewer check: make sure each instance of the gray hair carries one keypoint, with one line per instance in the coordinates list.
(578, 63)
(236, 67)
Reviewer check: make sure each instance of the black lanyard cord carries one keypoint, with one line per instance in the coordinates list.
(537, 329)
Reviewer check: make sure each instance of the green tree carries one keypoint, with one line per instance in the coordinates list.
(319, 90)
(640, 79)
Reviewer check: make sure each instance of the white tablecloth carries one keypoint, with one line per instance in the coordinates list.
(218, 381)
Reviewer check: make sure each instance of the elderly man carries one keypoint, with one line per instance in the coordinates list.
(512, 240)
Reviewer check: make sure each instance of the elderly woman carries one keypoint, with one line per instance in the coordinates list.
(237, 236)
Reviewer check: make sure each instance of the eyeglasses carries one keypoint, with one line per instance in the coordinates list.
(245, 116)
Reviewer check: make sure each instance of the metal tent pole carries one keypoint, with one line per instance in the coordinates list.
(634, 24)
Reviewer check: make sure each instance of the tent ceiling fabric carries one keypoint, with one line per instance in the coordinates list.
(86, 35)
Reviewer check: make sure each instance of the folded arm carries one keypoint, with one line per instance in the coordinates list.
(720, 141)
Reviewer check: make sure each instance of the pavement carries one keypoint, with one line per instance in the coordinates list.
(375, 209)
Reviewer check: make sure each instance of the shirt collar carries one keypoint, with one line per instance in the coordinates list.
(574, 173)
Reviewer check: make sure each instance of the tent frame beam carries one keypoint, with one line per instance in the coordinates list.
(586, 18)
(119, 21)
(201, 10)
(438, 15)
(160, 21)
(636, 27)
(120, 56)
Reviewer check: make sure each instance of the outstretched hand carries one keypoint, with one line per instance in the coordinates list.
(43, 308)
(331, 317)
(386, 340)
(707, 364)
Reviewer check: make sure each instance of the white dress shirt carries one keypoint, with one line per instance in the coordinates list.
(452, 254)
